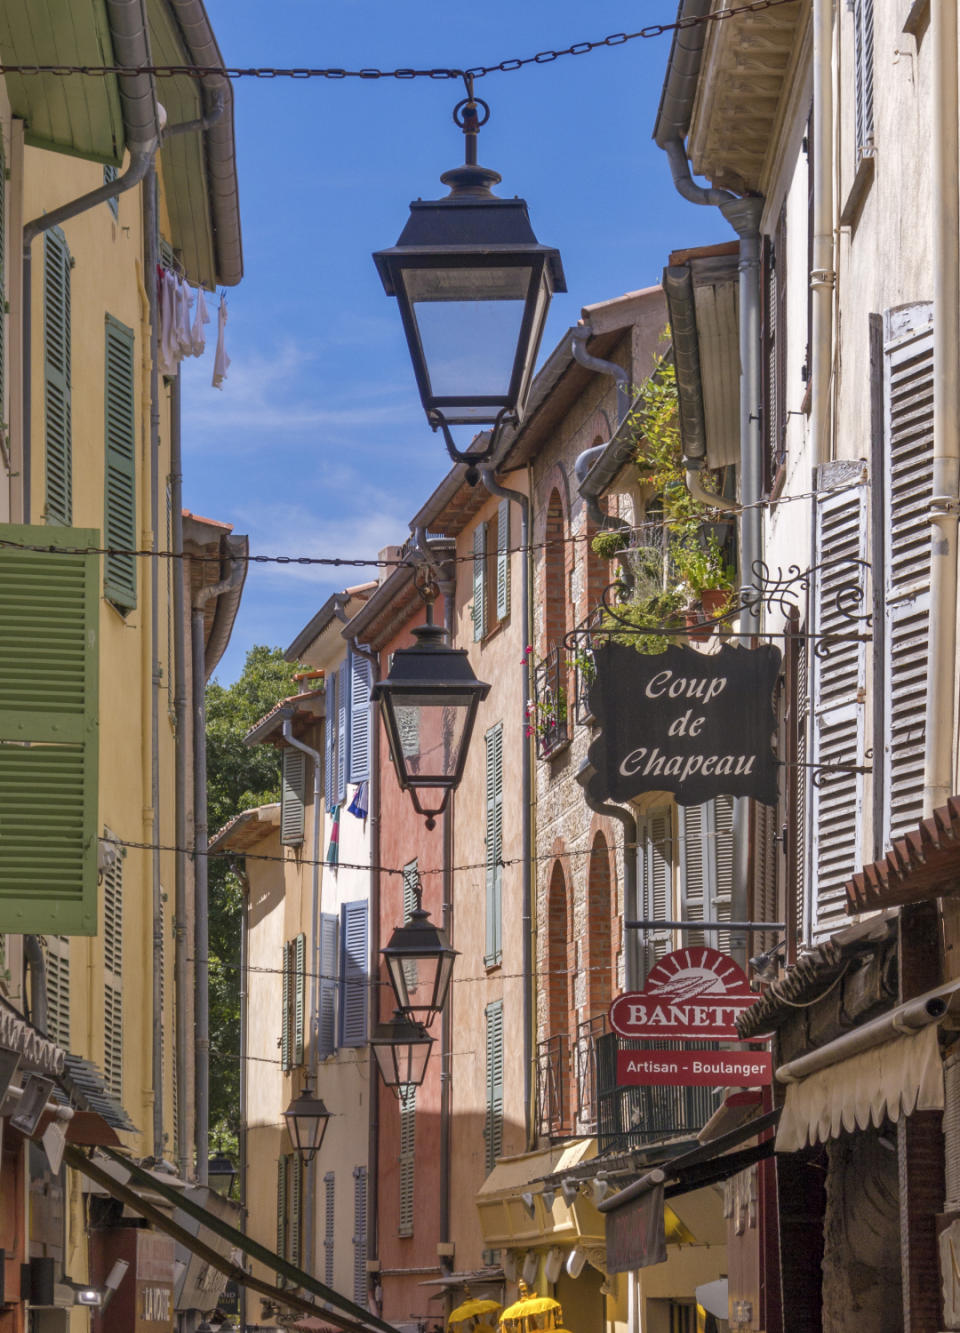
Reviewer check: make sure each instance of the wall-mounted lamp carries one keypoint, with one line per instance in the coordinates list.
(569, 1189)
(575, 1262)
(527, 1198)
(552, 1264)
(530, 1265)
(548, 1196)
(600, 1187)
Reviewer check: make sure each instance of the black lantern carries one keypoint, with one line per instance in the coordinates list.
(429, 703)
(473, 285)
(306, 1118)
(402, 1048)
(420, 963)
(221, 1173)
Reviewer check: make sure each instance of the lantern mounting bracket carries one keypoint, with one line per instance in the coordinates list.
(474, 457)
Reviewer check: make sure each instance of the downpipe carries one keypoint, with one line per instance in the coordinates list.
(180, 866)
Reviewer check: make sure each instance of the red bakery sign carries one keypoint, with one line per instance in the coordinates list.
(693, 994)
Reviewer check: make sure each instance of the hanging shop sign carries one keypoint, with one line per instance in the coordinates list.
(694, 994)
(694, 1069)
(696, 724)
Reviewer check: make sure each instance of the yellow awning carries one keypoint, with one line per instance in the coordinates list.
(507, 1219)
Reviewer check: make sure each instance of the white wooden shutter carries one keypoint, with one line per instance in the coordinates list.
(343, 731)
(292, 797)
(329, 1226)
(353, 974)
(839, 683)
(722, 903)
(56, 955)
(408, 1122)
(493, 1127)
(411, 882)
(863, 76)
(361, 680)
(493, 948)
(359, 1236)
(327, 1018)
(503, 560)
(764, 904)
(657, 879)
(908, 486)
(479, 581)
(706, 868)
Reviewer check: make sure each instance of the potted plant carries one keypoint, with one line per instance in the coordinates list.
(699, 563)
(662, 611)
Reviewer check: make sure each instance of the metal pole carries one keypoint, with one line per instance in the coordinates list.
(748, 927)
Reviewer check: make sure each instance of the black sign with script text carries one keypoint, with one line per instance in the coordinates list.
(696, 724)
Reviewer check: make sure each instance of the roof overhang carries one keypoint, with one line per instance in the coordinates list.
(319, 641)
(246, 829)
(923, 865)
(301, 709)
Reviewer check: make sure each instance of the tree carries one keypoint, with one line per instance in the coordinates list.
(238, 776)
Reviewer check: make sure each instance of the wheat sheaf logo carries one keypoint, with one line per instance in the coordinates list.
(695, 993)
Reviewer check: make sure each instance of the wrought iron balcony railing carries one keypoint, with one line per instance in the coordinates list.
(548, 717)
(629, 1117)
(553, 1086)
(585, 1061)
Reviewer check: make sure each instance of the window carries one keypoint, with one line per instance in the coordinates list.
(655, 836)
(408, 1120)
(113, 977)
(327, 1020)
(58, 442)
(329, 1226)
(493, 1124)
(337, 735)
(120, 512)
(602, 919)
(49, 608)
(359, 1235)
(491, 577)
(705, 844)
(353, 974)
(863, 77)
(493, 948)
(293, 1030)
(56, 955)
(292, 796)
(289, 1211)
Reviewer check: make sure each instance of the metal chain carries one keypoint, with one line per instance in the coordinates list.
(476, 72)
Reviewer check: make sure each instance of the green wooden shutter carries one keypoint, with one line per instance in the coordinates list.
(353, 974)
(286, 1017)
(327, 1033)
(49, 624)
(282, 1161)
(296, 1209)
(329, 1226)
(4, 423)
(493, 949)
(408, 1122)
(479, 581)
(120, 510)
(292, 797)
(359, 1236)
(113, 976)
(503, 560)
(493, 1127)
(56, 378)
(299, 997)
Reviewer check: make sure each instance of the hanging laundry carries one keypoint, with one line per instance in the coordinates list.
(166, 334)
(198, 336)
(358, 806)
(184, 337)
(333, 850)
(221, 362)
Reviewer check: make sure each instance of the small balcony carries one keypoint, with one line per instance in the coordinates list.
(629, 1117)
(553, 1086)
(585, 1063)
(584, 666)
(548, 717)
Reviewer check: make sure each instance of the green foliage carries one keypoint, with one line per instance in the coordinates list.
(609, 544)
(238, 776)
(699, 563)
(662, 610)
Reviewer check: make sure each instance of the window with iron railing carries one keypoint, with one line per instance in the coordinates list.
(631, 1117)
(553, 1077)
(548, 710)
(585, 1060)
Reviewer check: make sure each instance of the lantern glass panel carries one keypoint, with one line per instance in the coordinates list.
(469, 322)
(430, 730)
(415, 982)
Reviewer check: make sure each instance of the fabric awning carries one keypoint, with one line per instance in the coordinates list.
(346, 1315)
(884, 1082)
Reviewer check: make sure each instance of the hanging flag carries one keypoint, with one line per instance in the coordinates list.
(358, 806)
(333, 850)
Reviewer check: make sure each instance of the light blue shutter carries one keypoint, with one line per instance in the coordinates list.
(503, 560)
(291, 797)
(656, 846)
(359, 1236)
(353, 974)
(49, 623)
(58, 444)
(361, 679)
(343, 731)
(330, 742)
(408, 1123)
(479, 581)
(327, 1019)
(329, 1226)
(120, 511)
(494, 846)
(493, 1127)
(299, 997)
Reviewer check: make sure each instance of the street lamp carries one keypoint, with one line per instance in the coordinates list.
(221, 1173)
(429, 703)
(419, 962)
(402, 1049)
(473, 285)
(306, 1118)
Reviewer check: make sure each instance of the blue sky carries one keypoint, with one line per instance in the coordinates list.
(317, 444)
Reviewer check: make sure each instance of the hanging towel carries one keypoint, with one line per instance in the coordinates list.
(333, 850)
(184, 338)
(198, 335)
(221, 362)
(358, 806)
(167, 356)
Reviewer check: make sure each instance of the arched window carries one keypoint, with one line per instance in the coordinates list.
(555, 556)
(558, 945)
(601, 920)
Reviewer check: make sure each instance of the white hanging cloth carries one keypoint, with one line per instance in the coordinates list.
(221, 362)
(198, 335)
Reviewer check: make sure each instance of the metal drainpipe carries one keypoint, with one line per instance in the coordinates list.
(822, 275)
(526, 817)
(941, 721)
(33, 956)
(201, 927)
(578, 346)
(287, 713)
(632, 969)
(180, 869)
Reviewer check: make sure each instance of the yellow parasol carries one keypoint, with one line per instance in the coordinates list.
(473, 1309)
(532, 1312)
